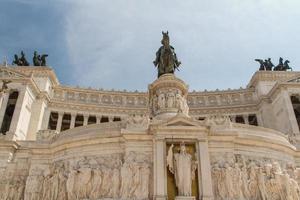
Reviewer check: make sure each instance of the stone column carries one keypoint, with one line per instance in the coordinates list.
(160, 177)
(3, 104)
(205, 171)
(110, 118)
(73, 117)
(98, 119)
(246, 119)
(233, 118)
(259, 119)
(59, 121)
(85, 119)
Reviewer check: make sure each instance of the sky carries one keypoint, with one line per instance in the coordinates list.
(111, 44)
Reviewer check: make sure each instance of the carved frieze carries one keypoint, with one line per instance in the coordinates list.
(115, 176)
(168, 95)
(239, 177)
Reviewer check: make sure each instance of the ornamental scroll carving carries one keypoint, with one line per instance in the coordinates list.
(102, 177)
(138, 122)
(255, 180)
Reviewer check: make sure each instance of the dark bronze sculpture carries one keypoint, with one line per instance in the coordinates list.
(262, 64)
(286, 65)
(268, 65)
(16, 60)
(23, 59)
(20, 61)
(265, 65)
(36, 59)
(279, 67)
(43, 59)
(39, 60)
(166, 59)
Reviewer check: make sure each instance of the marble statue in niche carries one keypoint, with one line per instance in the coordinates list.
(183, 167)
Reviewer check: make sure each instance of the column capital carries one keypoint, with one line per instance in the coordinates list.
(60, 112)
(85, 114)
(73, 114)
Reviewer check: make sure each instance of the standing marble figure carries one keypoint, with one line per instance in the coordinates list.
(183, 167)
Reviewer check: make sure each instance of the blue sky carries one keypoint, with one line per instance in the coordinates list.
(111, 44)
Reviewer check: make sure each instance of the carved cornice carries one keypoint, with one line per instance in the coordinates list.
(37, 72)
(109, 110)
(200, 103)
(271, 76)
(22, 76)
(168, 80)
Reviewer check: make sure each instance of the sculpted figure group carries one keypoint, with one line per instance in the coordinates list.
(38, 60)
(170, 99)
(267, 65)
(253, 181)
(12, 186)
(93, 178)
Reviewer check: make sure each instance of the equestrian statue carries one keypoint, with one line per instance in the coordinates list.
(166, 59)
(267, 65)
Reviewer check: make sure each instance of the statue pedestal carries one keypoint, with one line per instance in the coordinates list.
(185, 198)
(168, 97)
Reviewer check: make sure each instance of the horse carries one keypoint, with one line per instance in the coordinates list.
(166, 60)
(280, 66)
(262, 64)
(43, 59)
(286, 65)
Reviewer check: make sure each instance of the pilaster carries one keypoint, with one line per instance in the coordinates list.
(160, 176)
(36, 120)
(46, 118)
(205, 170)
(291, 114)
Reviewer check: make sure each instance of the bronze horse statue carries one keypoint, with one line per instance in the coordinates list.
(283, 66)
(166, 59)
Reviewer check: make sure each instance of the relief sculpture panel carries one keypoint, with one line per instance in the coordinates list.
(89, 177)
(255, 179)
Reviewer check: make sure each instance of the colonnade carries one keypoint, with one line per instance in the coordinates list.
(73, 121)
(250, 119)
(15, 115)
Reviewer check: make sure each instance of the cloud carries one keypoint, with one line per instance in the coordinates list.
(113, 43)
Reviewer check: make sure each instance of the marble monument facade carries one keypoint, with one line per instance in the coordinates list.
(63, 143)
